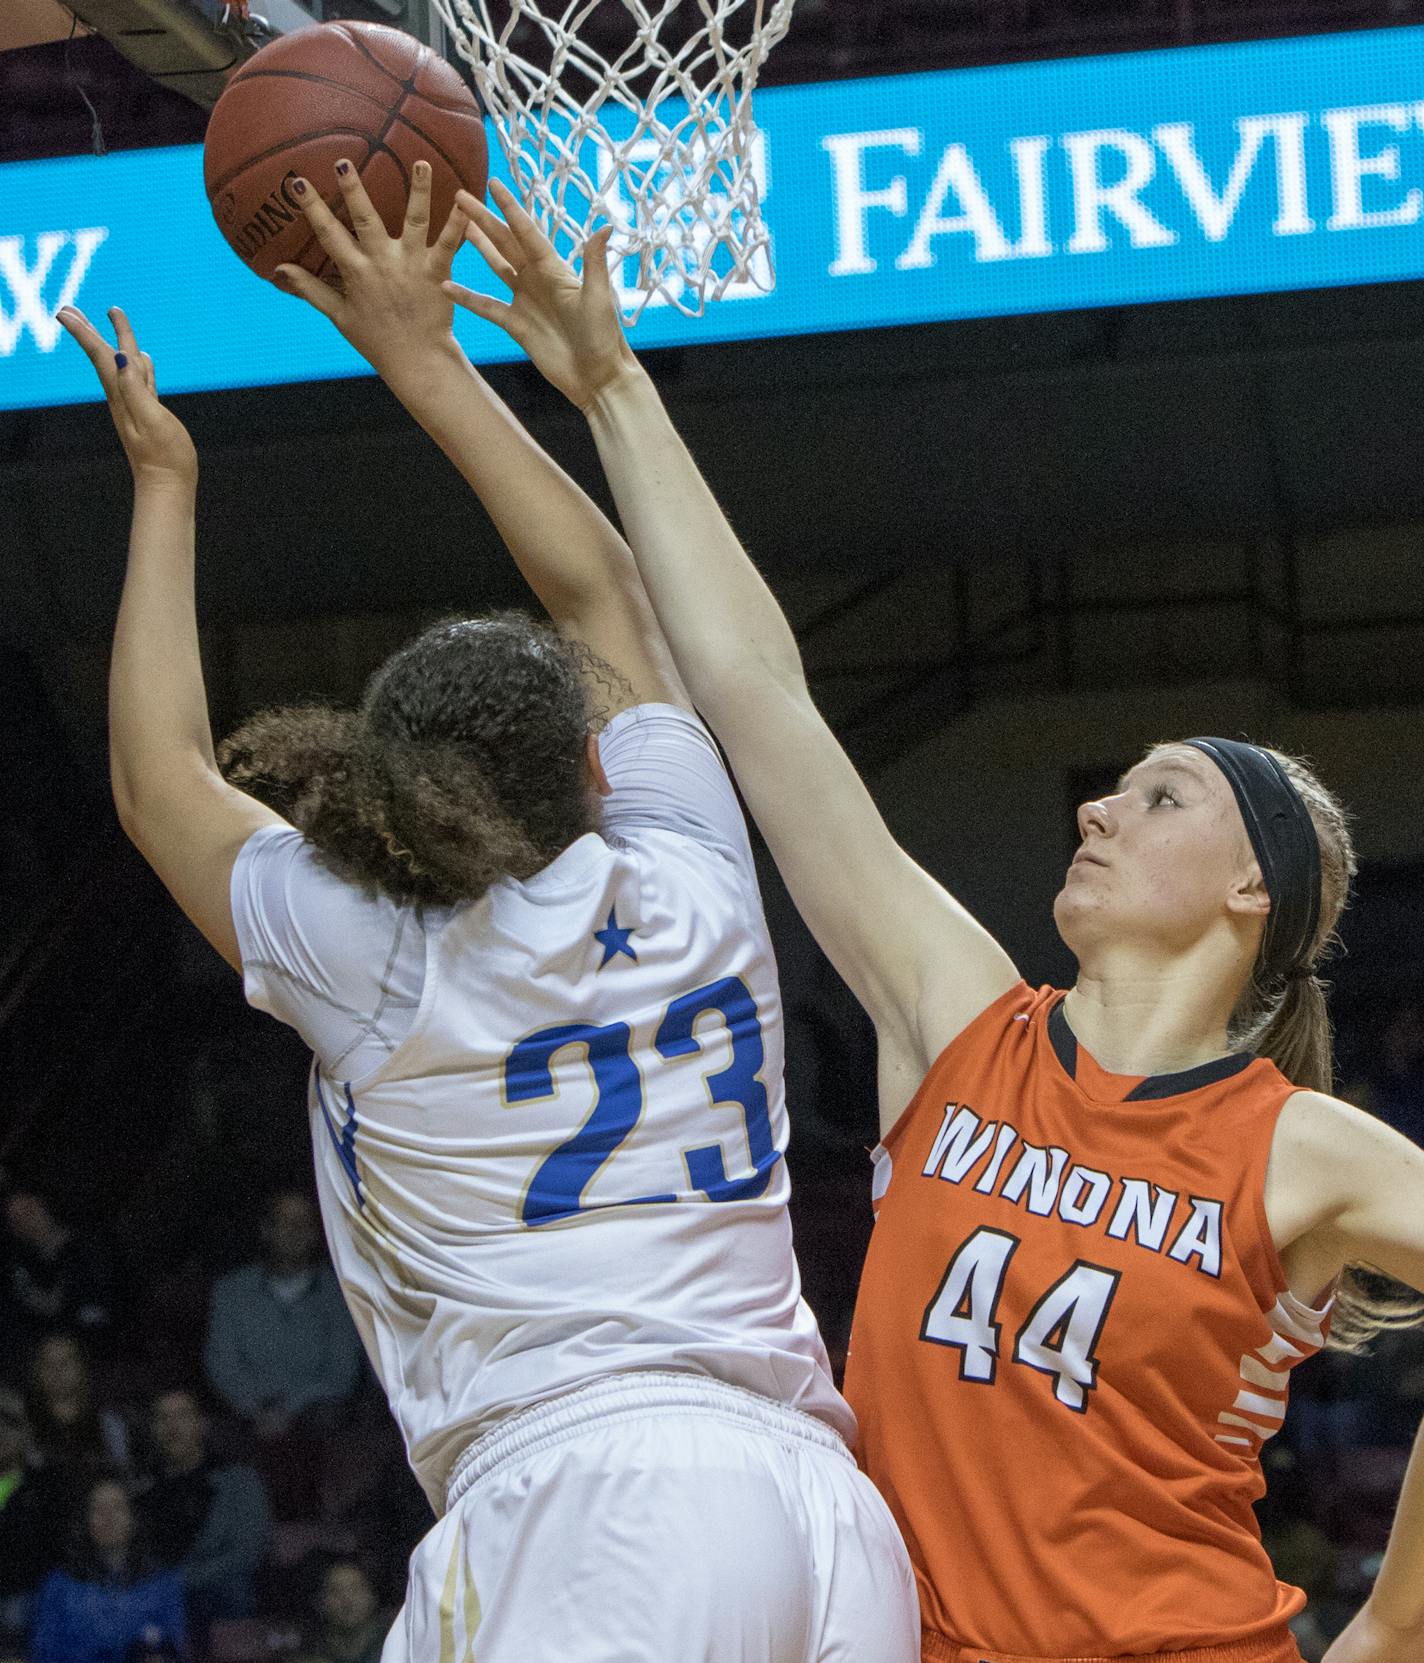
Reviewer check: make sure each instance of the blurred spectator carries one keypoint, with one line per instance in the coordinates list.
(370, 1487)
(75, 1435)
(31, 1519)
(1299, 1549)
(1393, 1083)
(52, 1277)
(205, 1519)
(109, 1598)
(349, 1629)
(282, 1353)
(1396, 1384)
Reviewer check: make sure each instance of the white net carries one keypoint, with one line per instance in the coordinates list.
(638, 114)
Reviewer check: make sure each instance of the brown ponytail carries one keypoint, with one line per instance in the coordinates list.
(1296, 1034)
(463, 765)
(1290, 1024)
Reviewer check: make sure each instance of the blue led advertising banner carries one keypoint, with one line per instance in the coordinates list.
(1240, 169)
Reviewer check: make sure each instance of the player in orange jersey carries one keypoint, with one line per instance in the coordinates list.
(1110, 1221)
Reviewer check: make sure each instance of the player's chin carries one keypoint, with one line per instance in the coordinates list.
(1079, 910)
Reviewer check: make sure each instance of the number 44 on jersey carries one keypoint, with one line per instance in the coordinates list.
(1059, 1337)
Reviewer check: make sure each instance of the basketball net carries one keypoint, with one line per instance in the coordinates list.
(638, 113)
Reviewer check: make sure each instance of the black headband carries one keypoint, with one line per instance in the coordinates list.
(1286, 846)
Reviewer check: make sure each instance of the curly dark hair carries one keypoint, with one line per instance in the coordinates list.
(464, 762)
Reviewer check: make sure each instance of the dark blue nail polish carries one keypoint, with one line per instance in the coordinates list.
(120, 359)
(343, 168)
(299, 186)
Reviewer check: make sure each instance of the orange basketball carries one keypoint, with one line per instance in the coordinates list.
(376, 96)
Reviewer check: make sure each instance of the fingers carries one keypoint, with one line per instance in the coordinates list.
(597, 281)
(335, 239)
(491, 256)
(365, 221)
(85, 335)
(95, 348)
(131, 388)
(530, 238)
(296, 280)
(136, 372)
(450, 240)
(416, 231)
(133, 367)
(111, 364)
(483, 306)
(123, 331)
(492, 225)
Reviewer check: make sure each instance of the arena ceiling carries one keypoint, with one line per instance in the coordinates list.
(43, 114)
(1141, 495)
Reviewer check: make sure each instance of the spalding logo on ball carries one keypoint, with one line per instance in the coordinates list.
(376, 96)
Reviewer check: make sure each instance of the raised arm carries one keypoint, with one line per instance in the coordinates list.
(186, 820)
(916, 959)
(393, 311)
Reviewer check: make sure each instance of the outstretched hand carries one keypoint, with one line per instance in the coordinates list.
(154, 440)
(570, 329)
(390, 305)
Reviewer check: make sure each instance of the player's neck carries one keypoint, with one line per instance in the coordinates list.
(1143, 1019)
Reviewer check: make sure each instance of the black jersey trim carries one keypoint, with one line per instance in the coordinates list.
(1155, 1086)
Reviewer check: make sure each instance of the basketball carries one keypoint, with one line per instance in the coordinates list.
(376, 96)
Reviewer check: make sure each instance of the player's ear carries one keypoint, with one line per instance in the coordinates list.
(1249, 895)
(597, 778)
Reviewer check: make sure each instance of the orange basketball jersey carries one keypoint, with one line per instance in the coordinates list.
(1072, 1339)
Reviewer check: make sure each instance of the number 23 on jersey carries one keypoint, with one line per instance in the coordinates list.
(556, 1189)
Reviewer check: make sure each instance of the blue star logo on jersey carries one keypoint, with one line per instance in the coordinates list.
(613, 940)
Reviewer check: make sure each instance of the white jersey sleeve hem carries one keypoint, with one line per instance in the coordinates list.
(667, 775)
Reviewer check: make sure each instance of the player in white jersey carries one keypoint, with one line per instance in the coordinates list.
(546, 1098)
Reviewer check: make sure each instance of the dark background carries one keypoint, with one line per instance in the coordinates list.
(1016, 552)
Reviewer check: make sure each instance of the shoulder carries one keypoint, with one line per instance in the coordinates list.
(235, 1475)
(980, 1050)
(1324, 1135)
(58, 1590)
(241, 1284)
(272, 846)
(1331, 1163)
(152, 1580)
(281, 881)
(1016, 1012)
(236, 1481)
(327, 1283)
(665, 773)
(158, 1591)
(1007, 1024)
(278, 866)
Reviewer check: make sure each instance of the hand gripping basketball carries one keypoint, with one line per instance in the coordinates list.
(390, 305)
(154, 440)
(570, 329)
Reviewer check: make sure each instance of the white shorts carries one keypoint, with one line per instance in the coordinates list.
(659, 1518)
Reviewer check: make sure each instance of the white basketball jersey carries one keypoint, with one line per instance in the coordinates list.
(567, 1157)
